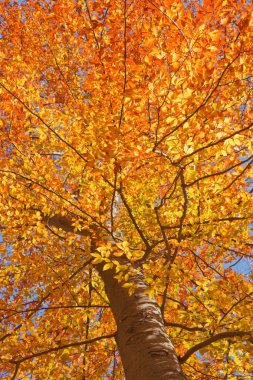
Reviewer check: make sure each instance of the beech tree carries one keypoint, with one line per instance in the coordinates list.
(126, 189)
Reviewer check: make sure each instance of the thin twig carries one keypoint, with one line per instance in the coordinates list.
(196, 111)
(62, 347)
(125, 66)
(46, 297)
(133, 219)
(43, 122)
(174, 23)
(224, 172)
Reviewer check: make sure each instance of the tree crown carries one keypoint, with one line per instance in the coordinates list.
(126, 141)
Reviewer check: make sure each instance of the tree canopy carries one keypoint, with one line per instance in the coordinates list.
(126, 144)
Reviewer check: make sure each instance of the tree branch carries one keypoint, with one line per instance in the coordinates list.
(196, 111)
(174, 23)
(53, 349)
(15, 372)
(211, 175)
(46, 297)
(125, 66)
(213, 143)
(54, 308)
(43, 122)
(228, 219)
(180, 326)
(133, 219)
(185, 205)
(212, 339)
(33, 181)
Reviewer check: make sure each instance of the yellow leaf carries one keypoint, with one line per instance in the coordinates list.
(108, 266)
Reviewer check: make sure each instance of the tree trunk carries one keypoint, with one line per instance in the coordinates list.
(144, 346)
(145, 349)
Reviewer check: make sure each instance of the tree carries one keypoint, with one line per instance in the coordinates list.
(126, 189)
